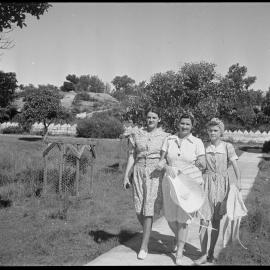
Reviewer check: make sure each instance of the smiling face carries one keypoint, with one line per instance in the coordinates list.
(214, 133)
(185, 126)
(152, 120)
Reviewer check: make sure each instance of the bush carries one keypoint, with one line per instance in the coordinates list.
(266, 147)
(13, 130)
(100, 126)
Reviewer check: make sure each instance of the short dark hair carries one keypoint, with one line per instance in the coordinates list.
(153, 109)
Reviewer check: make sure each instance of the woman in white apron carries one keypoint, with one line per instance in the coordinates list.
(180, 151)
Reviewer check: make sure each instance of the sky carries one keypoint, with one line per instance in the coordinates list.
(139, 40)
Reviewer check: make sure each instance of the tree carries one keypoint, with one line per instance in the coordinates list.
(67, 87)
(14, 13)
(72, 78)
(8, 84)
(266, 103)
(42, 105)
(124, 85)
(90, 84)
(96, 85)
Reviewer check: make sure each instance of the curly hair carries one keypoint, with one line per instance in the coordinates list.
(216, 122)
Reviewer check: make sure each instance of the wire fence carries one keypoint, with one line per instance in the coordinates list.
(68, 169)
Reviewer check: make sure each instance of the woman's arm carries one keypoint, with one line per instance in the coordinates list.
(162, 161)
(130, 163)
(201, 162)
(237, 173)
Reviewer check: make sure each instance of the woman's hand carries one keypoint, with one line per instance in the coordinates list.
(161, 164)
(170, 171)
(126, 183)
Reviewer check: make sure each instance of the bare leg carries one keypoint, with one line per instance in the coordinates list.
(203, 241)
(140, 218)
(147, 226)
(174, 227)
(204, 236)
(214, 237)
(182, 237)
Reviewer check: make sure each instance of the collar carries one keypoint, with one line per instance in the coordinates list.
(189, 138)
(210, 148)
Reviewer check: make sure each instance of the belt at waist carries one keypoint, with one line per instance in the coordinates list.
(146, 160)
(216, 173)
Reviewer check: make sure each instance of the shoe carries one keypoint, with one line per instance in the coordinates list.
(211, 259)
(201, 260)
(142, 254)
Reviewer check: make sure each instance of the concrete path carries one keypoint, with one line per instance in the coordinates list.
(162, 237)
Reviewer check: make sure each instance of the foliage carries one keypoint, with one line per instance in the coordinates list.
(42, 105)
(14, 13)
(72, 78)
(84, 83)
(266, 103)
(124, 86)
(67, 87)
(103, 126)
(266, 147)
(8, 113)
(13, 130)
(196, 87)
(90, 84)
(8, 84)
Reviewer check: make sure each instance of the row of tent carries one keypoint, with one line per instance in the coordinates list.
(53, 129)
(246, 133)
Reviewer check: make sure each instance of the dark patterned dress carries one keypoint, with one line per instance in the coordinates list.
(146, 179)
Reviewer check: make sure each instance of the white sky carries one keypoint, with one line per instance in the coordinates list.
(139, 39)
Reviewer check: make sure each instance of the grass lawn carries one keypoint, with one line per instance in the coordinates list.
(50, 231)
(255, 227)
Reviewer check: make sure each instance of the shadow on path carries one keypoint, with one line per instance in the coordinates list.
(30, 139)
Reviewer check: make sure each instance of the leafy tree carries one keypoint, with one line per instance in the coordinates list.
(67, 87)
(90, 84)
(42, 105)
(14, 14)
(8, 84)
(266, 103)
(96, 85)
(72, 78)
(124, 85)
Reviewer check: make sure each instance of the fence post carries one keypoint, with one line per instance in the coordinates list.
(45, 158)
(61, 167)
(77, 173)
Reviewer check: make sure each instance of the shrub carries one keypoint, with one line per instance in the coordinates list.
(266, 147)
(100, 126)
(13, 130)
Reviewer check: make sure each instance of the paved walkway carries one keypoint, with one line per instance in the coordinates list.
(162, 237)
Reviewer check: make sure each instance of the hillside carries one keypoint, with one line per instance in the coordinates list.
(82, 106)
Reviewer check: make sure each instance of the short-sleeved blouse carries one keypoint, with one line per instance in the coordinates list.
(215, 156)
(147, 144)
(187, 151)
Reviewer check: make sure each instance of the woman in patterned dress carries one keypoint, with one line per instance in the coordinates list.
(216, 178)
(177, 151)
(143, 158)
